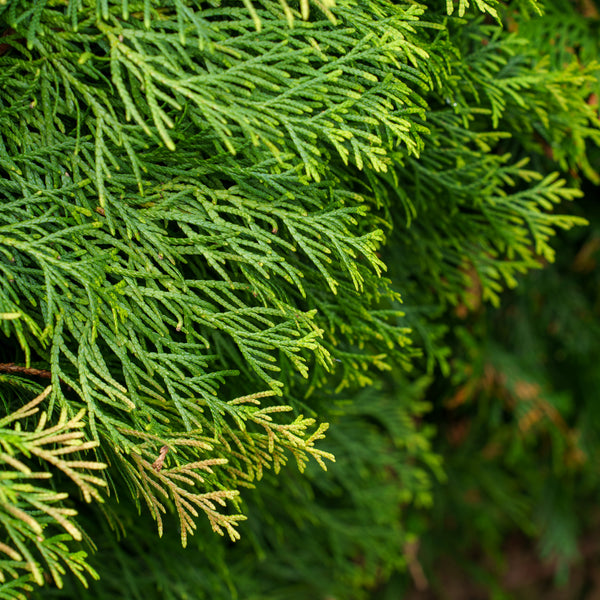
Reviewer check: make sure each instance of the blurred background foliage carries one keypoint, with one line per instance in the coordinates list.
(518, 426)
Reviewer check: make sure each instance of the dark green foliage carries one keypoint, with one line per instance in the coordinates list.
(525, 403)
(219, 217)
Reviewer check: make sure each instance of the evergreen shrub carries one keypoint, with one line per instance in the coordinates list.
(244, 247)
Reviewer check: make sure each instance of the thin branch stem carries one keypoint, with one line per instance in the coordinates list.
(12, 368)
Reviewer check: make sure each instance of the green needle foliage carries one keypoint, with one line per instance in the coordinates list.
(32, 511)
(211, 213)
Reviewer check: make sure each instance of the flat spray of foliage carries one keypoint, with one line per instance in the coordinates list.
(200, 201)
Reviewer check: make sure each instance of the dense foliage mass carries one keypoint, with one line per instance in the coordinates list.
(238, 233)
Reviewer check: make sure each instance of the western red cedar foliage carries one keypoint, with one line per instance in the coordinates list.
(226, 226)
